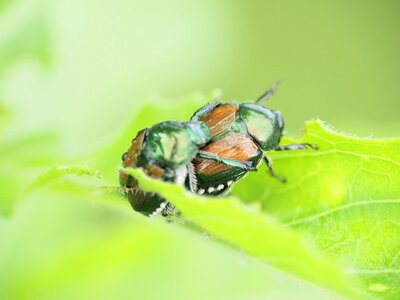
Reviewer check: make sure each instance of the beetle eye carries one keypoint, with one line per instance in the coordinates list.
(124, 156)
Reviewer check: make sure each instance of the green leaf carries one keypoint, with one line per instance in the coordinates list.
(346, 197)
(65, 246)
(56, 172)
(257, 234)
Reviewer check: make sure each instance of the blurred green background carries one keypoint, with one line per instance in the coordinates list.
(82, 70)
(64, 62)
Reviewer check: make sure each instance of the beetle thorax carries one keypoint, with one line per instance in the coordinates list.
(262, 124)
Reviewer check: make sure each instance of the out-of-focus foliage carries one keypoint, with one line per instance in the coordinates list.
(79, 78)
(24, 34)
(76, 247)
(20, 160)
(251, 231)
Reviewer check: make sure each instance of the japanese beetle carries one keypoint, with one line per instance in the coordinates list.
(221, 143)
(241, 134)
(165, 152)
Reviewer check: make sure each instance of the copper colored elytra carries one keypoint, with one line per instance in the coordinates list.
(220, 119)
(220, 144)
(235, 146)
(130, 157)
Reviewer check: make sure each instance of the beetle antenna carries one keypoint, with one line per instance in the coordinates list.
(269, 93)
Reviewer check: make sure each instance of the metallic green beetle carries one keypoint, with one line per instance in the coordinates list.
(165, 151)
(241, 133)
(218, 147)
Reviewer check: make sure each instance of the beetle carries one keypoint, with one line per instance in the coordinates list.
(165, 151)
(241, 134)
(220, 144)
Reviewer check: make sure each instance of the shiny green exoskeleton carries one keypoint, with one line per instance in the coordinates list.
(240, 136)
(220, 144)
(164, 151)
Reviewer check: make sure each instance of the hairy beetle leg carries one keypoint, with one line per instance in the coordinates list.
(284, 148)
(272, 172)
(297, 147)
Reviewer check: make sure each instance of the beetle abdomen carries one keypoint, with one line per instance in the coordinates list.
(149, 204)
(130, 159)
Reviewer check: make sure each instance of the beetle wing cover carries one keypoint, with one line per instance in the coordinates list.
(131, 157)
(220, 119)
(235, 146)
(131, 161)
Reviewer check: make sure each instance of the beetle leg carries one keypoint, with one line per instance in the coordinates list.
(296, 147)
(268, 93)
(272, 172)
(168, 209)
(230, 162)
(192, 178)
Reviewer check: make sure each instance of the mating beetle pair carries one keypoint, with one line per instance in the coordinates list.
(220, 144)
